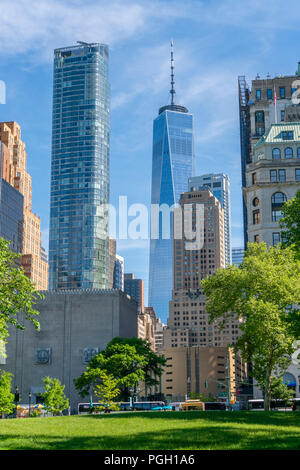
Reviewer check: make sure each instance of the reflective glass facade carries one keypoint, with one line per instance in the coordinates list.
(172, 165)
(11, 215)
(78, 238)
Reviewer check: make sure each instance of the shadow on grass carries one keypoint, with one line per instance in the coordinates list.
(202, 437)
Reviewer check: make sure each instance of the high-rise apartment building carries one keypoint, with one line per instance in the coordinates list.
(14, 172)
(134, 288)
(172, 165)
(188, 323)
(220, 187)
(272, 177)
(269, 101)
(78, 237)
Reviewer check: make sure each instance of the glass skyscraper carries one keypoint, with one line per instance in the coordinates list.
(172, 165)
(78, 238)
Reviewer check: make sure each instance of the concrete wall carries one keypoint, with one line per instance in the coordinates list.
(74, 326)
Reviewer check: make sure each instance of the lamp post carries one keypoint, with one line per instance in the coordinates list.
(17, 398)
(29, 401)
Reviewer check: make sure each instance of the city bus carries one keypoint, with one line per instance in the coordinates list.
(214, 406)
(279, 405)
(141, 405)
(84, 408)
(190, 405)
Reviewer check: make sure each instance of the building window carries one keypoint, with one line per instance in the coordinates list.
(287, 135)
(269, 93)
(259, 116)
(282, 92)
(278, 199)
(273, 176)
(258, 95)
(253, 178)
(255, 202)
(276, 238)
(260, 131)
(281, 175)
(297, 171)
(256, 238)
(276, 154)
(256, 217)
(288, 152)
(282, 112)
(298, 152)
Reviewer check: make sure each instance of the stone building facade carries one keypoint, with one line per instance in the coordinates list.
(272, 178)
(74, 325)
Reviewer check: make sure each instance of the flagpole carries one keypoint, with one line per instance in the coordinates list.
(275, 105)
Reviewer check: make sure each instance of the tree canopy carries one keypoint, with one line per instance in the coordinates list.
(6, 397)
(129, 360)
(290, 223)
(17, 294)
(260, 293)
(54, 397)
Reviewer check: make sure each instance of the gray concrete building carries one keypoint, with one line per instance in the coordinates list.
(74, 326)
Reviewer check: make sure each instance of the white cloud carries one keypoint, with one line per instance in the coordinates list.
(41, 25)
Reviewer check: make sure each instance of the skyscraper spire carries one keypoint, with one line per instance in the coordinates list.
(172, 91)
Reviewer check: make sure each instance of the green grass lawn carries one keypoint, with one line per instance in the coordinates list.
(194, 430)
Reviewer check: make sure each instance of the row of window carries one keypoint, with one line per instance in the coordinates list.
(288, 153)
(269, 93)
(277, 201)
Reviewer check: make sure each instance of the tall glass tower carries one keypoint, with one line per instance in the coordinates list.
(78, 238)
(172, 165)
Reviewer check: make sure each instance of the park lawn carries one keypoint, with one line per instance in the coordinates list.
(194, 430)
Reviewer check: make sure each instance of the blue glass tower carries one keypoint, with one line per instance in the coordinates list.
(78, 238)
(172, 165)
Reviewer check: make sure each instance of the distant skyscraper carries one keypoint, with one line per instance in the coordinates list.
(78, 238)
(134, 288)
(172, 165)
(188, 323)
(11, 207)
(14, 172)
(220, 187)
(237, 255)
(119, 273)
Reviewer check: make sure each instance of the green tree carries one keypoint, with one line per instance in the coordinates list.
(54, 397)
(6, 397)
(154, 364)
(107, 390)
(121, 361)
(290, 223)
(127, 360)
(279, 390)
(17, 294)
(259, 293)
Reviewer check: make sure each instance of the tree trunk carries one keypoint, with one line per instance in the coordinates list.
(267, 398)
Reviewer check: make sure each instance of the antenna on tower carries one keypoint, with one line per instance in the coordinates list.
(172, 91)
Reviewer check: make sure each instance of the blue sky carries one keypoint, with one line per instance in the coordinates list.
(214, 41)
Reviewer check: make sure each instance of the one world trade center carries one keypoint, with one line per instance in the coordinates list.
(172, 165)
